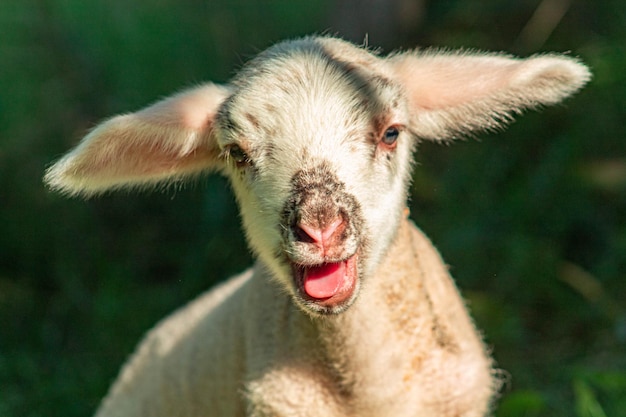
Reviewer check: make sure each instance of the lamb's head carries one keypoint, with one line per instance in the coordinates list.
(316, 137)
(318, 152)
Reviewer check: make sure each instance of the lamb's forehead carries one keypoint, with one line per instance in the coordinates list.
(303, 57)
(310, 84)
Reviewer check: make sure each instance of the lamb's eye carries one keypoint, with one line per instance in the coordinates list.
(391, 136)
(238, 155)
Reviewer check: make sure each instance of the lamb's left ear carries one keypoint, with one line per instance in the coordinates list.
(168, 140)
(455, 93)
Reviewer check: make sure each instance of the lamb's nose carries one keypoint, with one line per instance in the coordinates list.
(321, 236)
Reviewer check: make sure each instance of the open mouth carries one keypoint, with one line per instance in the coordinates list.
(328, 285)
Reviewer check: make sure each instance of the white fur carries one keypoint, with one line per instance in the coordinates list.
(299, 132)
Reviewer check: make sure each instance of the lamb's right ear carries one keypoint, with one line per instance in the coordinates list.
(456, 93)
(169, 140)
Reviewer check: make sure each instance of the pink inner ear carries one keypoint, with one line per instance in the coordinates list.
(137, 155)
(154, 162)
(169, 140)
(438, 82)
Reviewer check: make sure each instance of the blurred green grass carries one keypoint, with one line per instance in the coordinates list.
(532, 220)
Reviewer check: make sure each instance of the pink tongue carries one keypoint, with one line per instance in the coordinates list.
(325, 280)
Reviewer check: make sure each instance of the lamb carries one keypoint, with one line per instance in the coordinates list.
(349, 309)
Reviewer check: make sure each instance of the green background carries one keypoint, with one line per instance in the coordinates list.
(532, 221)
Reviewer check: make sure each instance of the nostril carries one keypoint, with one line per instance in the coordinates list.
(311, 234)
(308, 234)
(302, 235)
(331, 229)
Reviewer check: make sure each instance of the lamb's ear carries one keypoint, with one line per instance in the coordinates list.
(169, 140)
(456, 93)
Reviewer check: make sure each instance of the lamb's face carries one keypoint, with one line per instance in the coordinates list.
(319, 157)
